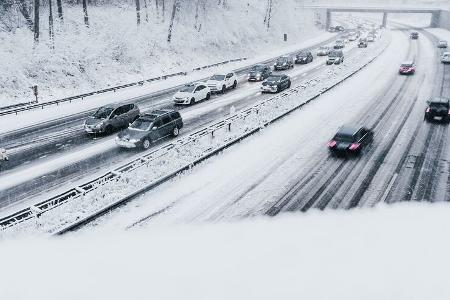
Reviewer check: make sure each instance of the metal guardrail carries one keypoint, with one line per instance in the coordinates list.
(46, 205)
(15, 109)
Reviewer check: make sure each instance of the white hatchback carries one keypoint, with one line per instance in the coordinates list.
(192, 93)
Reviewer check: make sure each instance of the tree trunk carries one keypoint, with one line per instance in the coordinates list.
(172, 19)
(60, 10)
(50, 23)
(36, 21)
(85, 11)
(24, 11)
(138, 12)
(146, 11)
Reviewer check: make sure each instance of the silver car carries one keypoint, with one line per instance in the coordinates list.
(110, 118)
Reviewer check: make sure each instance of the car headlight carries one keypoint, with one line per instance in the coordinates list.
(99, 125)
(258, 75)
(134, 141)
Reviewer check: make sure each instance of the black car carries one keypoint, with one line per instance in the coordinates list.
(276, 84)
(350, 140)
(438, 109)
(304, 57)
(284, 63)
(340, 28)
(414, 35)
(259, 73)
(149, 128)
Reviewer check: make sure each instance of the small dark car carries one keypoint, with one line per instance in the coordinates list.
(149, 128)
(110, 118)
(304, 57)
(362, 43)
(339, 44)
(284, 63)
(259, 73)
(438, 110)
(350, 140)
(340, 28)
(407, 68)
(276, 84)
(414, 35)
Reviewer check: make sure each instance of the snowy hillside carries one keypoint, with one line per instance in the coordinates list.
(114, 50)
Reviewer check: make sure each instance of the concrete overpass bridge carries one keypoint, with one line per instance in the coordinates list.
(439, 17)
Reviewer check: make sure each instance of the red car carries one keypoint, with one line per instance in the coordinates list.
(407, 68)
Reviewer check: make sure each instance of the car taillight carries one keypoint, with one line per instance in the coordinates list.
(428, 109)
(354, 146)
(449, 112)
(332, 144)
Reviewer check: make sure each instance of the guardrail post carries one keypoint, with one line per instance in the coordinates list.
(229, 126)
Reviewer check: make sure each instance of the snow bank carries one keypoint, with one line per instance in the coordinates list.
(398, 252)
(113, 50)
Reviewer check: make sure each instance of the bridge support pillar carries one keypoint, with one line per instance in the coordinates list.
(328, 20)
(384, 20)
(435, 19)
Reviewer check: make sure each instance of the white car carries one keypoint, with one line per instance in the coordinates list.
(442, 44)
(219, 83)
(445, 58)
(370, 38)
(192, 93)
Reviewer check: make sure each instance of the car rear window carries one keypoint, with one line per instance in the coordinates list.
(175, 115)
(343, 137)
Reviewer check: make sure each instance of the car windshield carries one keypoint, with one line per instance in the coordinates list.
(103, 112)
(274, 78)
(142, 124)
(406, 65)
(218, 77)
(334, 54)
(282, 60)
(187, 89)
(438, 105)
(343, 137)
(257, 68)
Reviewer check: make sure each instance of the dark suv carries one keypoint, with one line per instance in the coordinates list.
(276, 83)
(414, 35)
(149, 128)
(111, 118)
(304, 57)
(438, 109)
(350, 140)
(259, 73)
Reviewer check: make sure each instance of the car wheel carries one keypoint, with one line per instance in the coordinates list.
(208, 96)
(234, 84)
(192, 101)
(146, 143)
(289, 85)
(175, 131)
(278, 89)
(224, 88)
(109, 129)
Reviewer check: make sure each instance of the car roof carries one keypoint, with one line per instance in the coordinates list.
(158, 113)
(440, 100)
(408, 63)
(446, 53)
(348, 129)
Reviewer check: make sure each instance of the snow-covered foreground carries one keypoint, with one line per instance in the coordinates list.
(398, 253)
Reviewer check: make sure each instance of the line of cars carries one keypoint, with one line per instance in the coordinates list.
(353, 139)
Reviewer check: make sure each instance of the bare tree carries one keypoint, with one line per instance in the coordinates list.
(172, 19)
(36, 21)
(60, 10)
(268, 15)
(146, 11)
(138, 12)
(26, 14)
(50, 24)
(85, 12)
